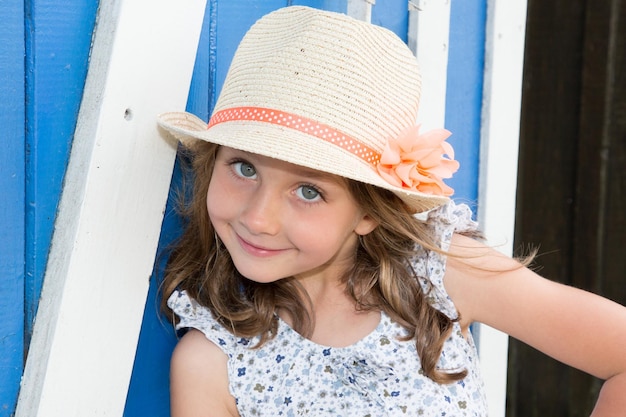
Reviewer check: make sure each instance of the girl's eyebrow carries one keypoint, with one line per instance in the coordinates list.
(317, 175)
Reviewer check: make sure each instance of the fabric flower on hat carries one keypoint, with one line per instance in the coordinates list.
(417, 161)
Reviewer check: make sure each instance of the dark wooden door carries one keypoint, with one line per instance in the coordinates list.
(572, 179)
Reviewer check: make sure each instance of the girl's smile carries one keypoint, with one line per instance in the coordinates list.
(259, 251)
(279, 220)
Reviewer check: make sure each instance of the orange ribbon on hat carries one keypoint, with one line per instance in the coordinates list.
(412, 161)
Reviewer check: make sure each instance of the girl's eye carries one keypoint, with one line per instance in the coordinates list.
(308, 193)
(244, 169)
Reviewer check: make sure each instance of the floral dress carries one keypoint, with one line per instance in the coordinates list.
(377, 376)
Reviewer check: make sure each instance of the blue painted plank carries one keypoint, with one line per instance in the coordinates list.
(12, 159)
(464, 92)
(339, 6)
(200, 100)
(58, 39)
(148, 393)
(229, 34)
(393, 15)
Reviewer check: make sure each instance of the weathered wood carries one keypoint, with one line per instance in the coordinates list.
(572, 186)
(600, 217)
(538, 386)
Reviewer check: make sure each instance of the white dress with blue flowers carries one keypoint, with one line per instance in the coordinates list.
(377, 376)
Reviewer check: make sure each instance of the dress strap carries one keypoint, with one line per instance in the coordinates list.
(192, 315)
(431, 266)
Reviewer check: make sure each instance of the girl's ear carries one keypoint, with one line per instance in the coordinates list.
(365, 225)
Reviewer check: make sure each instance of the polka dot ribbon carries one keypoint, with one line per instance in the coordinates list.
(299, 123)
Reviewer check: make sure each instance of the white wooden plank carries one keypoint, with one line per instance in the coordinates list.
(360, 9)
(502, 95)
(107, 228)
(428, 38)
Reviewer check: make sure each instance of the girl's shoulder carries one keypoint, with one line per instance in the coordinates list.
(199, 378)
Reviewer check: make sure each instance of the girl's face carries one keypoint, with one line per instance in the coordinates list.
(279, 220)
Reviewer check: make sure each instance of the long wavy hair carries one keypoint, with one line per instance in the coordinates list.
(381, 277)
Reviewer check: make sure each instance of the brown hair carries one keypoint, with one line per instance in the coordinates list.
(381, 277)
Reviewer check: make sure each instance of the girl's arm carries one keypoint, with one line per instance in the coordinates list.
(199, 379)
(575, 327)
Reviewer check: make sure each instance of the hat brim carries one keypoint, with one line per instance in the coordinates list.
(289, 145)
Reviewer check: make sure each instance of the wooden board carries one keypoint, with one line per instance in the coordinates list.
(572, 183)
(12, 203)
(504, 59)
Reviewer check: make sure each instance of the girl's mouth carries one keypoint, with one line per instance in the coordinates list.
(258, 251)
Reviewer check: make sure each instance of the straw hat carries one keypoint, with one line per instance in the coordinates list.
(321, 90)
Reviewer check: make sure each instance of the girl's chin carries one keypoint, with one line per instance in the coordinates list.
(260, 279)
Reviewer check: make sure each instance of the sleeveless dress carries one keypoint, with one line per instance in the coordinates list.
(377, 376)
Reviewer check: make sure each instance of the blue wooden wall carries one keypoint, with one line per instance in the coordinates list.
(44, 56)
(466, 62)
(43, 61)
(12, 158)
(58, 39)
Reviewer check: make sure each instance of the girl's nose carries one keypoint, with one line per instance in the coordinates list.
(262, 212)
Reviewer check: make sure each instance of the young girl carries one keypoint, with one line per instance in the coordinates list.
(323, 269)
